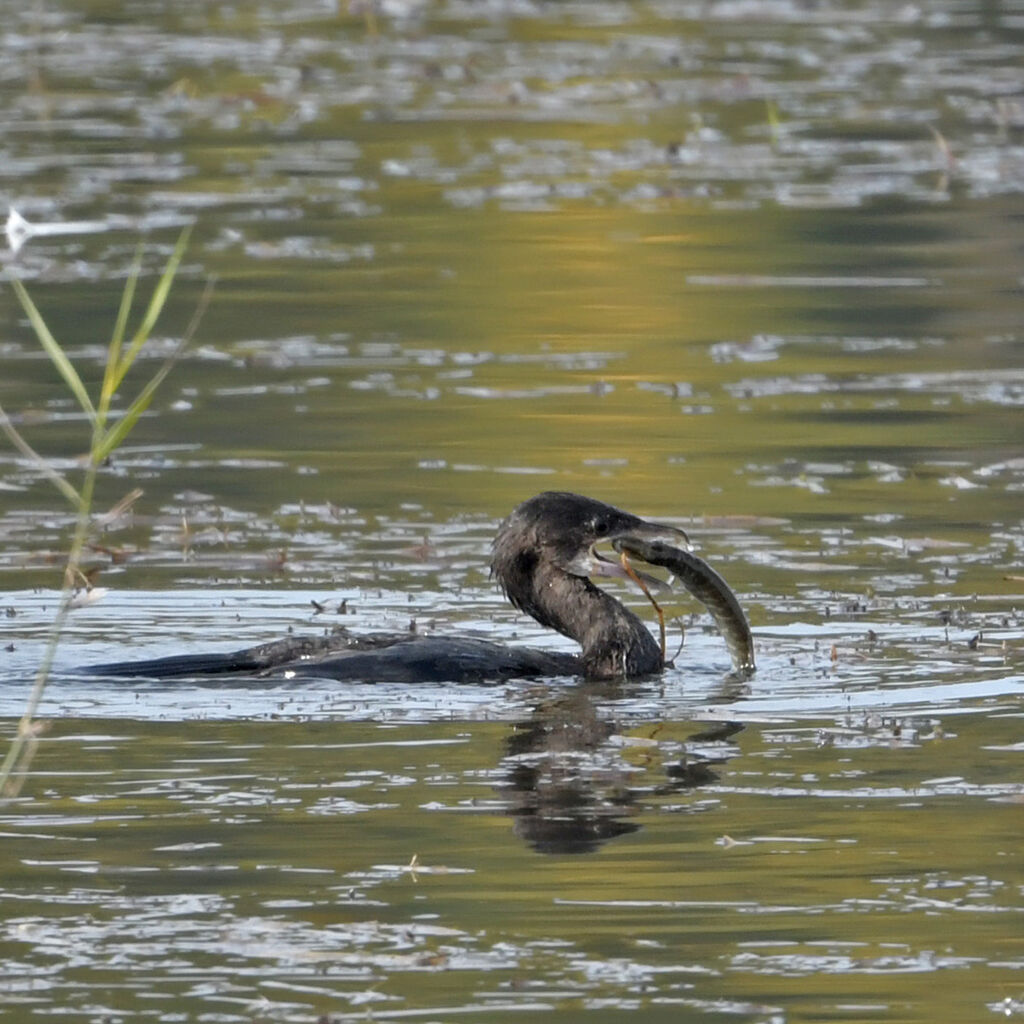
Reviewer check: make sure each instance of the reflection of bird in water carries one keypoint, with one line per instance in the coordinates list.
(566, 791)
(569, 787)
(543, 556)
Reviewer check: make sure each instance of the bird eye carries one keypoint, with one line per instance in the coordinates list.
(600, 527)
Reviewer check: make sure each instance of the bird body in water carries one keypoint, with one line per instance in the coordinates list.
(543, 556)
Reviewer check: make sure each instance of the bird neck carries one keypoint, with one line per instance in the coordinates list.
(616, 644)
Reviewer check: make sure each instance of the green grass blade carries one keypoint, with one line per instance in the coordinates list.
(55, 352)
(115, 435)
(774, 130)
(120, 329)
(156, 305)
(37, 460)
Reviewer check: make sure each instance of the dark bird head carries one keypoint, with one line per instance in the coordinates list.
(544, 554)
(562, 530)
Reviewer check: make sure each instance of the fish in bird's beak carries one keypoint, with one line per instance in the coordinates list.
(591, 562)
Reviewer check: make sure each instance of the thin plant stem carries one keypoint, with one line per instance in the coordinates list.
(632, 574)
(104, 440)
(15, 764)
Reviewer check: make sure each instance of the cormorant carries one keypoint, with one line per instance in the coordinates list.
(542, 557)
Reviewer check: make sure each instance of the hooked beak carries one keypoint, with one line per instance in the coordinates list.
(593, 563)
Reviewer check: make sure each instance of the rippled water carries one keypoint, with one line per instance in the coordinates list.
(753, 268)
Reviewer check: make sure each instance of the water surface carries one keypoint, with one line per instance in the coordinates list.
(751, 268)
